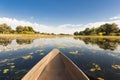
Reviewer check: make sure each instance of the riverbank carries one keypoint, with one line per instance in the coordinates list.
(25, 36)
(20, 36)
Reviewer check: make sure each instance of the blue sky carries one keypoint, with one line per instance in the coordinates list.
(60, 12)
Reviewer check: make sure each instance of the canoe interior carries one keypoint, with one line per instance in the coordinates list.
(55, 66)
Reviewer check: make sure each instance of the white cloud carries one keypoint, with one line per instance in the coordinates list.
(115, 17)
(97, 24)
(70, 26)
(65, 28)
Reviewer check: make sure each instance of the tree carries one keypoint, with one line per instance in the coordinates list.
(25, 28)
(105, 29)
(28, 28)
(93, 31)
(19, 29)
(4, 28)
(114, 28)
(76, 33)
(87, 31)
(13, 31)
(31, 29)
(81, 33)
(1, 29)
(108, 28)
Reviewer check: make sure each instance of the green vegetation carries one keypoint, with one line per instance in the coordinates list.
(73, 52)
(99, 78)
(27, 57)
(116, 66)
(25, 30)
(105, 29)
(12, 67)
(5, 29)
(5, 71)
(95, 67)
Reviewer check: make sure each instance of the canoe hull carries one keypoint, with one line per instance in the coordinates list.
(55, 66)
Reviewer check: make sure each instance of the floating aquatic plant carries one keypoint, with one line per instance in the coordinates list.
(5, 71)
(19, 71)
(95, 68)
(92, 69)
(4, 60)
(27, 57)
(31, 53)
(41, 51)
(116, 66)
(12, 67)
(10, 63)
(99, 78)
(73, 52)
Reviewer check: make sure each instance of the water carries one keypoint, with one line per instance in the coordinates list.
(99, 58)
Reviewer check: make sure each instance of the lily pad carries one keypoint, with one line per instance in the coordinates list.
(99, 78)
(73, 52)
(4, 60)
(12, 67)
(31, 53)
(41, 51)
(5, 71)
(92, 69)
(116, 66)
(27, 57)
(95, 67)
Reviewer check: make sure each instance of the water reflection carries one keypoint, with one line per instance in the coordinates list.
(97, 63)
(104, 43)
(5, 41)
(24, 41)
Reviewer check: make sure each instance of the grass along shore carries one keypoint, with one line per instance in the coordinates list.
(20, 36)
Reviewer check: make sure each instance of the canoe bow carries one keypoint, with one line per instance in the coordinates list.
(55, 66)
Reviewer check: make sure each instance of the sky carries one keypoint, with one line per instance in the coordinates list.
(59, 16)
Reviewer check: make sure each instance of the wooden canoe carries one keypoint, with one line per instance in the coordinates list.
(55, 66)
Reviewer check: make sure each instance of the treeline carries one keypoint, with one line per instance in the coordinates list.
(105, 29)
(6, 29)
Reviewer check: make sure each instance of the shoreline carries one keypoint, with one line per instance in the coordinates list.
(49, 36)
(26, 36)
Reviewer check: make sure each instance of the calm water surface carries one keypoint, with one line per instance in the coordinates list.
(99, 58)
